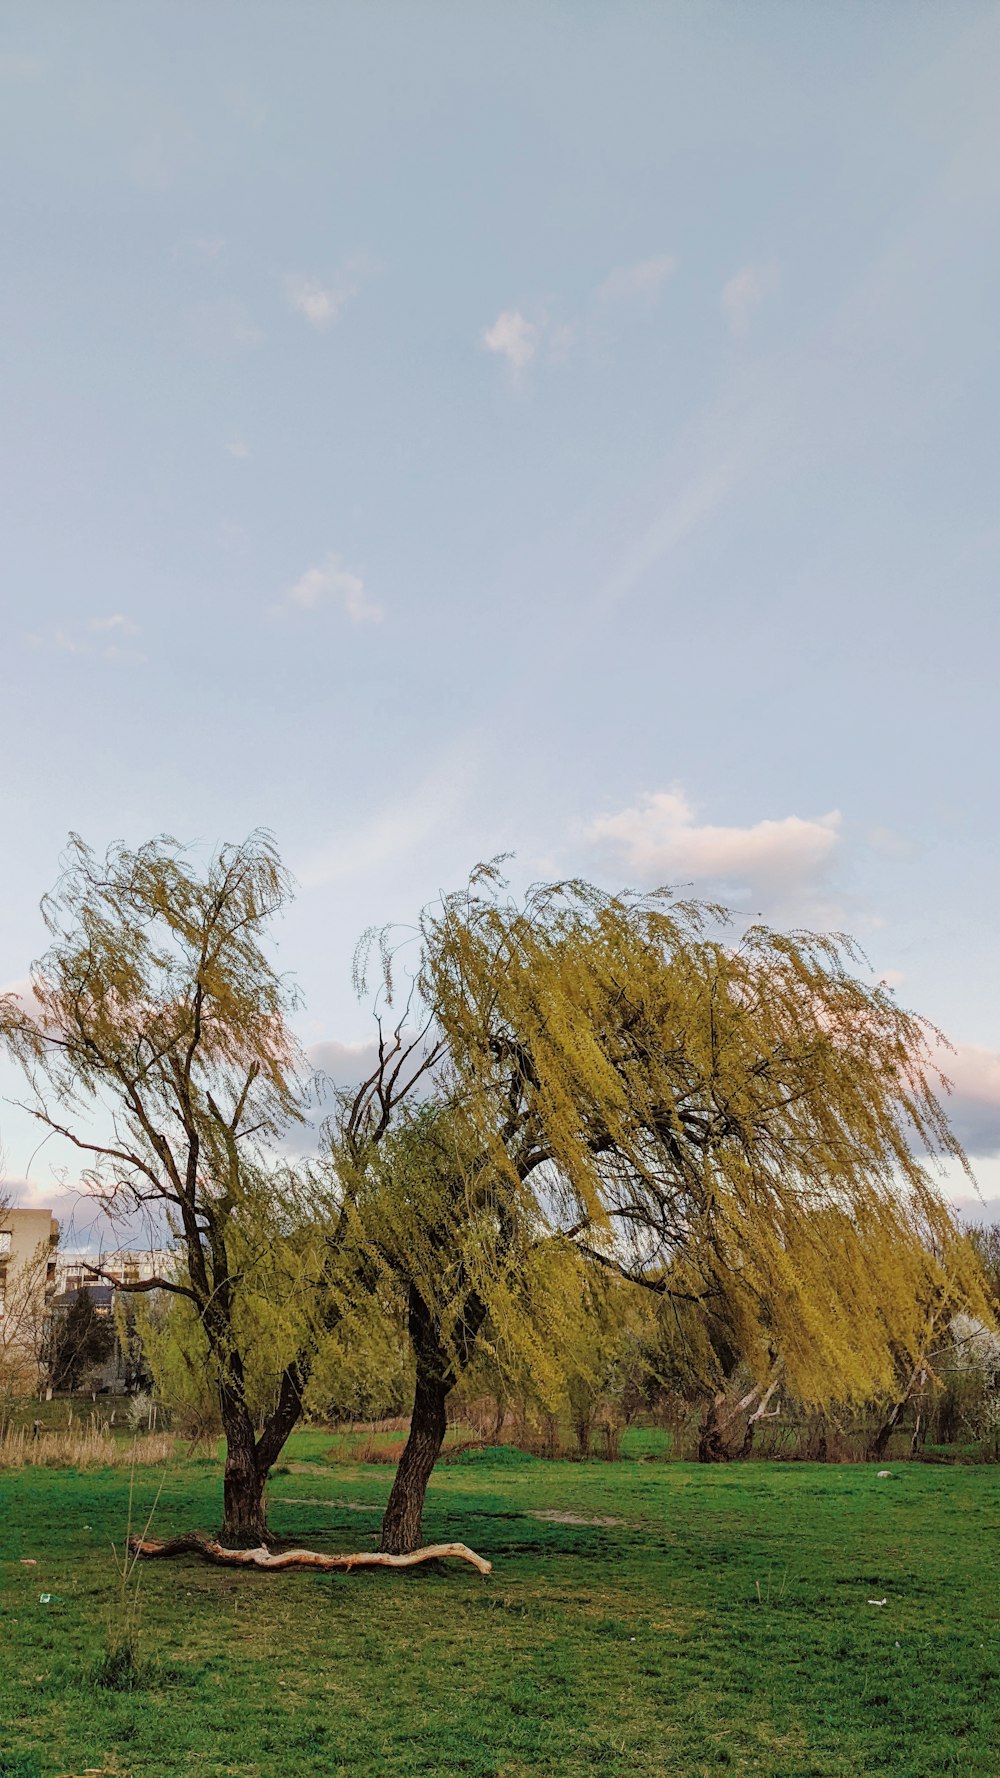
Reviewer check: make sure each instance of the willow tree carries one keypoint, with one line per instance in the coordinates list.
(707, 1115)
(156, 1042)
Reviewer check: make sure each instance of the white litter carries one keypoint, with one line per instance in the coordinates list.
(883, 1472)
(878, 1601)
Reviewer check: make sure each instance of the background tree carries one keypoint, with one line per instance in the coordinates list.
(82, 1340)
(740, 1124)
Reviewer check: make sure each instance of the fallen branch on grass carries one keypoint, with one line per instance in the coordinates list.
(193, 1543)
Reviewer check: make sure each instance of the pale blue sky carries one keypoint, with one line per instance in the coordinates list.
(435, 430)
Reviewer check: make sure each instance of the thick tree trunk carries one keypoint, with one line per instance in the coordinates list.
(244, 1520)
(402, 1526)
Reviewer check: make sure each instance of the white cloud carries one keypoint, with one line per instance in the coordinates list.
(238, 447)
(347, 1064)
(117, 621)
(744, 292)
(514, 337)
(660, 841)
(520, 338)
(330, 582)
(321, 304)
(644, 280)
(318, 304)
(104, 636)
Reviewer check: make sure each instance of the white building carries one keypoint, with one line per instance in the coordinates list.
(124, 1265)
(28, 1240)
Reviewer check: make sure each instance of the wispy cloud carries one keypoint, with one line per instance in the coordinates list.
(379, 844)
(513, 337)
(330, 583)
(237, 447)
(686, 511)
(644, 280)
(744, 292)
(223, 325)
(521, 337)
(660, 840)
(207, 249)
(108, 637)
(320, 301)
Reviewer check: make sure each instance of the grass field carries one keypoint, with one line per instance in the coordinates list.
(721, 1623)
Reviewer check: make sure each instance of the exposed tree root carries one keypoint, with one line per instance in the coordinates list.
(193, 1543)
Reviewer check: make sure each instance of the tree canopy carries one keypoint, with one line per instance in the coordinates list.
(735, 1122)
(575, 1085)
(160, 1026)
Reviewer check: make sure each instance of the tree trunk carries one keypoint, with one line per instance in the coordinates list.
(711, 1445)
(244, 1520)
(402, 1526)
(880, 1443)
(760, 1413)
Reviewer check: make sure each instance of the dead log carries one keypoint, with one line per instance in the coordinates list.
(193, 1543)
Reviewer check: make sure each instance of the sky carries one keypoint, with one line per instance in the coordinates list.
(567, 430)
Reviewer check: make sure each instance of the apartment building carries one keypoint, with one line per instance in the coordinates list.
(125, 1265)
(28, 1241)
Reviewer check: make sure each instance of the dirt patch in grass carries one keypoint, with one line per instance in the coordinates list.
(560, 1518)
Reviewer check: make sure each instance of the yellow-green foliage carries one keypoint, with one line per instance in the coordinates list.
(738, 1121)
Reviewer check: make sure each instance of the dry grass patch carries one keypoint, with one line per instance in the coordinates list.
(90, 1448)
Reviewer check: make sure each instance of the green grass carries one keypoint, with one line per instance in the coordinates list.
(722, 1626)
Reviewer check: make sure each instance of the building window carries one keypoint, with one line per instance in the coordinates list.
(5, 1241)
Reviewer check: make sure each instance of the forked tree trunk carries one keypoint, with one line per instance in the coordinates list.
(760, 1413)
